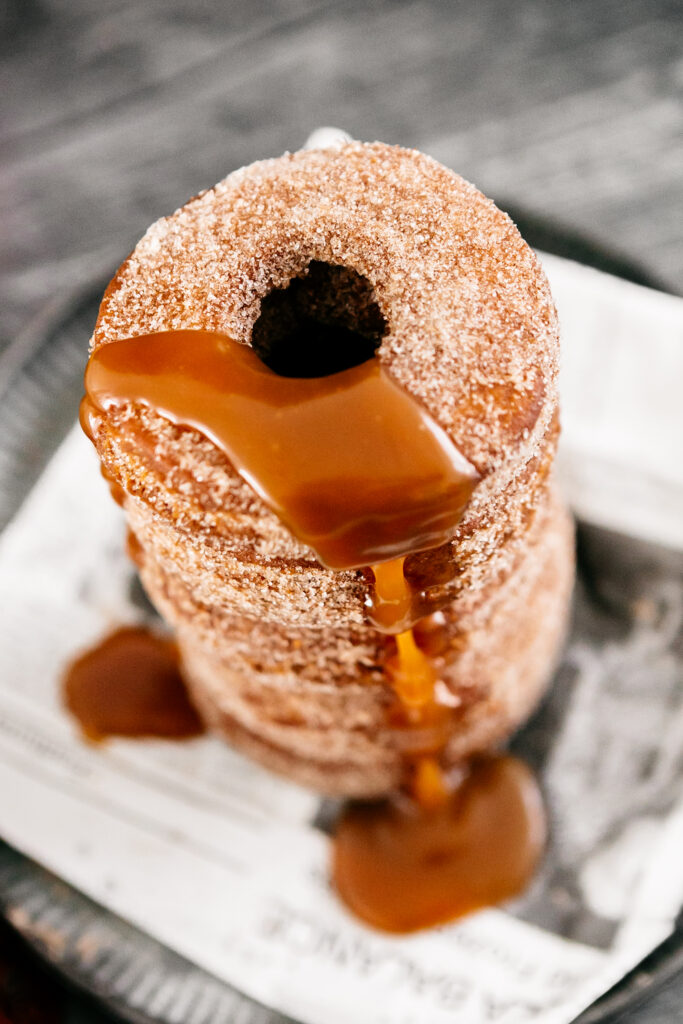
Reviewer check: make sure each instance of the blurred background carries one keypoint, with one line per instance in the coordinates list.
(114, 112)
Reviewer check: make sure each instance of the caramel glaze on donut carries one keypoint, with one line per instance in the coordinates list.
(278, 652)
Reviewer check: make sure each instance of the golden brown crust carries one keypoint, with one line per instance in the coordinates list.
(278, 651)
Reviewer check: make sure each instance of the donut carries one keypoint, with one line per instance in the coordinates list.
(395, 251)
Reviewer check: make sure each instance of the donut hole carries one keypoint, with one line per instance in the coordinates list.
(323, 322)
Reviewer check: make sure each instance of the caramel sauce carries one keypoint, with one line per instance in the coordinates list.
(453, 844)
(358, 470)
(353, 465)
(130, 684)
(413, 674)
(422, 715)
(403, 604)
(401, 868)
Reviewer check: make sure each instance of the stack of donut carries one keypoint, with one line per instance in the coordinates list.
(278, 653)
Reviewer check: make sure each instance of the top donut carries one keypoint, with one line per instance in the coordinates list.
(471, 330)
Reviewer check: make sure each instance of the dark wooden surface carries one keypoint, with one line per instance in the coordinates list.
(115, 111)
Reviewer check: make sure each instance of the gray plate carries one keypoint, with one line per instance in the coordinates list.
(130, 973)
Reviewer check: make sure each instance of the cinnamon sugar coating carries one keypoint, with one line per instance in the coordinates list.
(279, 655)
(472, 330)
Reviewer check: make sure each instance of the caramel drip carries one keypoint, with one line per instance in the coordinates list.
(354, 466)
(410, 602)
(391, 598)
(361, 473)
(429, 785)
(399, 870)
(414, 678)
(412, 672)
(459, 843)
(129, 684)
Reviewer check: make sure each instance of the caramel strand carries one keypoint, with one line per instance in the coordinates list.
(413, 677)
